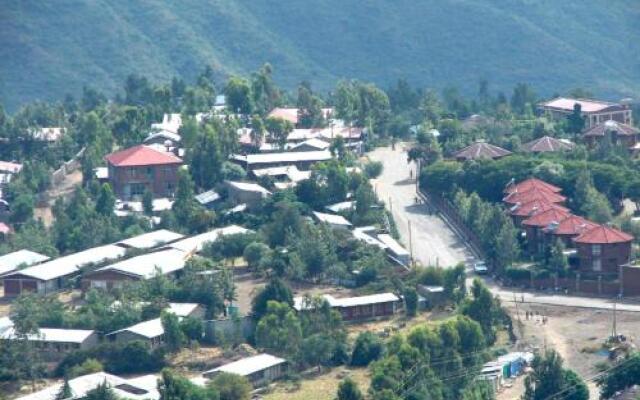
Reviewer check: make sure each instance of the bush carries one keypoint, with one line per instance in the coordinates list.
(411, 301)
(368, 348)
(254, 252)
(231, 386)
(517, 274)
(373, 169)
(192, 328)
(89, 366)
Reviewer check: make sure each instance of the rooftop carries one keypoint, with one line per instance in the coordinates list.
(148, 329)
(197, 242)
(534, 207)
(547, 144)
(392, 245)
(147, 265)
(70, 264)
(207, 197)
(52, 335)
(300, 303)
(249, 365)
(10, 167)
(572, 225)
(532, 183)
(141, 155)
(612, 126)
(313, 142)
(331, 219)
(11, 261)
(533, 194)
(151, 239)
(588, 105)
(481, 150)
(284, 157)
(342, 206)
(603, 235)
(248, 187)
(545, 218)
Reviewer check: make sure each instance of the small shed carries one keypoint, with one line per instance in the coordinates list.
(150, 332)
(335, 221)
(54, 343)
(260, 369)
(150, 240)
(247, 193)
(195, 244)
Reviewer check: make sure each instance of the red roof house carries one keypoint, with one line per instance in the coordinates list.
(140, 168)
(603, 250)
(532, 183)
(569, 228)
(534, 194)
(480, 150)
(547, 144)
(520, 212)
(535, 225)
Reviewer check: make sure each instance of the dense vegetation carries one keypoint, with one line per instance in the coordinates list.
(49, 50)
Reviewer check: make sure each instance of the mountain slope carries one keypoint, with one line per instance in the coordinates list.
(48, 49)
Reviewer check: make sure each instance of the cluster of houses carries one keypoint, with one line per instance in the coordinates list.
(504, 368)
(537, 207)
(603, 121)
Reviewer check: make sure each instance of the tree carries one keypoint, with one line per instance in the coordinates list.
(279, 330)
(173, 335)
(101, 392)
(106, 201)
(278, 130)
(254, 252)
(624, 375)
(192, 328)
(557, 259)
(276, 290)
(549, 379)
(174, 387)
(349, 390)
(309, 108)
(368, 347)
(206, 159)
(231, 386)
(65, 391)
(411, 301)
(507, 246)
(147, 202)
(238, 94)
(575, 121)
(257, 131)
(188, 212)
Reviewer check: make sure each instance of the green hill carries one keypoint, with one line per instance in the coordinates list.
(50, 48)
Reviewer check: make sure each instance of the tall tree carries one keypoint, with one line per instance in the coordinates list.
(239, 96)
(349, 390)
(549, 380)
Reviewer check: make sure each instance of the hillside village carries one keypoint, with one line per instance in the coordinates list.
(234, 241)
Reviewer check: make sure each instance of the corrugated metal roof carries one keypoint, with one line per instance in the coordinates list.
(392, 244)
(147, 265)
(249, 365)
(148, 329)
(207, 197)
(52, 335)
(151, 239)
(331, 219)
(197, 242)
(248, 187)
(11, 261)
(285, 157)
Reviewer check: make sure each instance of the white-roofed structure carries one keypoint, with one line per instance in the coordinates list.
(207, 198)
(301, 159)
(342, 206)
(164, 262)
(313, 144)
(368, 235)
(141, 388)
(150, 331)
(196, 243)
(10, 262)
(360, 307)
(259, 369)
(247, 193)
(51, 276)
(170, 122)
(54, 342)
(336, 221)
(159, 204)
(150, 240)
(394, 249)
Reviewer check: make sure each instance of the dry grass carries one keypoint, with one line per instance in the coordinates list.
(322, 387)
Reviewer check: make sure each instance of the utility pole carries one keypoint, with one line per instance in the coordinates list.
(410, 243)
(614, 331)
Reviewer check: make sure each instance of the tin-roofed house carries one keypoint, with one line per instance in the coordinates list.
(259, 370)
(150, 332)
(360, 308)
(54, 343)
(247, 193)
(150, 240)
(195, 244)
(21, 258)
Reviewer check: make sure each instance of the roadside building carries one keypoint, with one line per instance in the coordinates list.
(21, 258)
(602, 250)
(369, 235)
(594, 112)
(195, 244)
(568, 229)
(335, 221)
(259, 370)
(150, 240)
(480, 150)
(395, 251)
(283, 176)
(534, 194)
(150, 332)
(520, 212)
(615, 132)
(167, 262)
(247, 193)
(547, 144)
(534, 228)
(359, 308)
(141, 388)
(52, 276)
(137, 169)
(531, 183)
(313, 144)
(55, 343)
(303, 160)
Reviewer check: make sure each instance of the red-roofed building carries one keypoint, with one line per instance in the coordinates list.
(534, 194)
(568, 229)
(534, 228)
(134, 170)
(602, 250)
(520, 212)
(531, 183)
(547, 144)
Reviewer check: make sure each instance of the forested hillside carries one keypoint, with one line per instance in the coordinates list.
(48, 49)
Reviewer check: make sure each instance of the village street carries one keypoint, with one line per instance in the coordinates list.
(434, 243)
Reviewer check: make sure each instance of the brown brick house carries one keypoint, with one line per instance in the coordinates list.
(568, 229)
(535, 225)
(134, 170)
(602, 250)
(520, 212)
(618, 134)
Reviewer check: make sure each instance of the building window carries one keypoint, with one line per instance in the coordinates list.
(131, 172)
(596, 250)
(597, 264)
(137, 189)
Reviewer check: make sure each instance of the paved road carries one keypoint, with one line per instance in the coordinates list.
(432, 241)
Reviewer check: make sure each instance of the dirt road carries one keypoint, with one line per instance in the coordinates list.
(432, 241)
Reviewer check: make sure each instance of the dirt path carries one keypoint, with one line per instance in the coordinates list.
(64, 189)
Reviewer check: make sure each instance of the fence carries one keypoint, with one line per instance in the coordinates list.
(66, 168)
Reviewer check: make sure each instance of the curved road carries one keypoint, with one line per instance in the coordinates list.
(434, 243)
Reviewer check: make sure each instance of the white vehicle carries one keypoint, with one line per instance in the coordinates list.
(480, 268)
